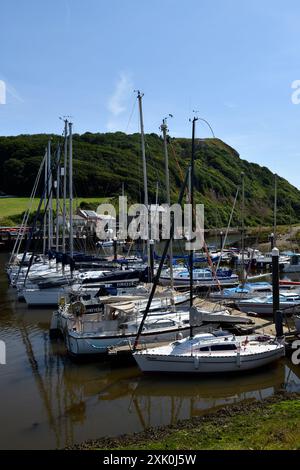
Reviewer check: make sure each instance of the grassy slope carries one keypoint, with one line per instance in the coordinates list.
(11, 209)
(258, 426)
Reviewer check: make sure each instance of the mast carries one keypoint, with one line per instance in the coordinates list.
(191, 257)
(164, 129)
(159, 270)
(57, 185)
(45, 205)
(243, 228)
(50, 208)
(65, 187)
(275, 210)
(71, 241)
(146, 199)
(23, 227)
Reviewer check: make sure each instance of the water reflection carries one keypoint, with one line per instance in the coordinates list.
(47, 401)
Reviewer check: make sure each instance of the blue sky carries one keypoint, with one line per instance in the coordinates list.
(234, 61)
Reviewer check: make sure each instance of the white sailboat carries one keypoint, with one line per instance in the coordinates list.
(203, 277)
(211, 353)
(117, 324)
(289, 303)
(67, 313)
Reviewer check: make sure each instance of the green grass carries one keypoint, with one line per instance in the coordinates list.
(12, 208)
(267, 427)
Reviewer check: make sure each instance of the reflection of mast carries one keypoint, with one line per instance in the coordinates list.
(38, 378)
(64, 401)
(148, 408)
(175, 412)
(139, 412)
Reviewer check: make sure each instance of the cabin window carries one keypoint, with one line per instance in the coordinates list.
(162, 324)
(223, 347)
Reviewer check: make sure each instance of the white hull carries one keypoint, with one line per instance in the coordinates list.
(89, 344)
(209, 364)
(42, 297)
(62, 318)
(266, 309)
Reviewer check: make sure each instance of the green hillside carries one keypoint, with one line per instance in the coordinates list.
(102, 162)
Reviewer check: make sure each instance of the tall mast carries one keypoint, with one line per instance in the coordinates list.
(57, 195)
(164, 129)
(45, 205)
(146, 200)
(65, 187)
(71, 189)
(140, 97)
(243, 228)
(50, 209)
(191, 257)
(275, 210)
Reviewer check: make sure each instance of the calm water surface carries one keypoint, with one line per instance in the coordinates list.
(48, 401)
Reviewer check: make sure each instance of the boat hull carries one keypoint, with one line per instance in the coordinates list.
(267, 309)
(165, 281)
(42, 297)
(91, 344)
(206, 364)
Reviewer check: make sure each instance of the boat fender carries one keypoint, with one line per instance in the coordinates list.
(114, 315)
(179, 336)
(238, 356)
(78, 309)
(196, 362)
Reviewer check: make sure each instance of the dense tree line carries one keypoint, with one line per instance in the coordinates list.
(102, 162)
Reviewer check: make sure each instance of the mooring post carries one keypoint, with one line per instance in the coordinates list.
(278, 324)
(221, 240)
(275, 281)
(272, 238)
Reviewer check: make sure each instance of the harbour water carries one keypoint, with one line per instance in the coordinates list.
(48, 401)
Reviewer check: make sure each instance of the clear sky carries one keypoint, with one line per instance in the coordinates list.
(232, 60)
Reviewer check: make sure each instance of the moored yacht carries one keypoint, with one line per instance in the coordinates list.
(246, 291)
(289, 303)
(201, 277)
(210, 353)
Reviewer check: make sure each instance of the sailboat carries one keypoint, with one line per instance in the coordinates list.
(289, 303)
(214, 352)
(67, 313)
(202, 277)
(211, 353)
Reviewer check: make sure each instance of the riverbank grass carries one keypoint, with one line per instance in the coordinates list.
(258, 427)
